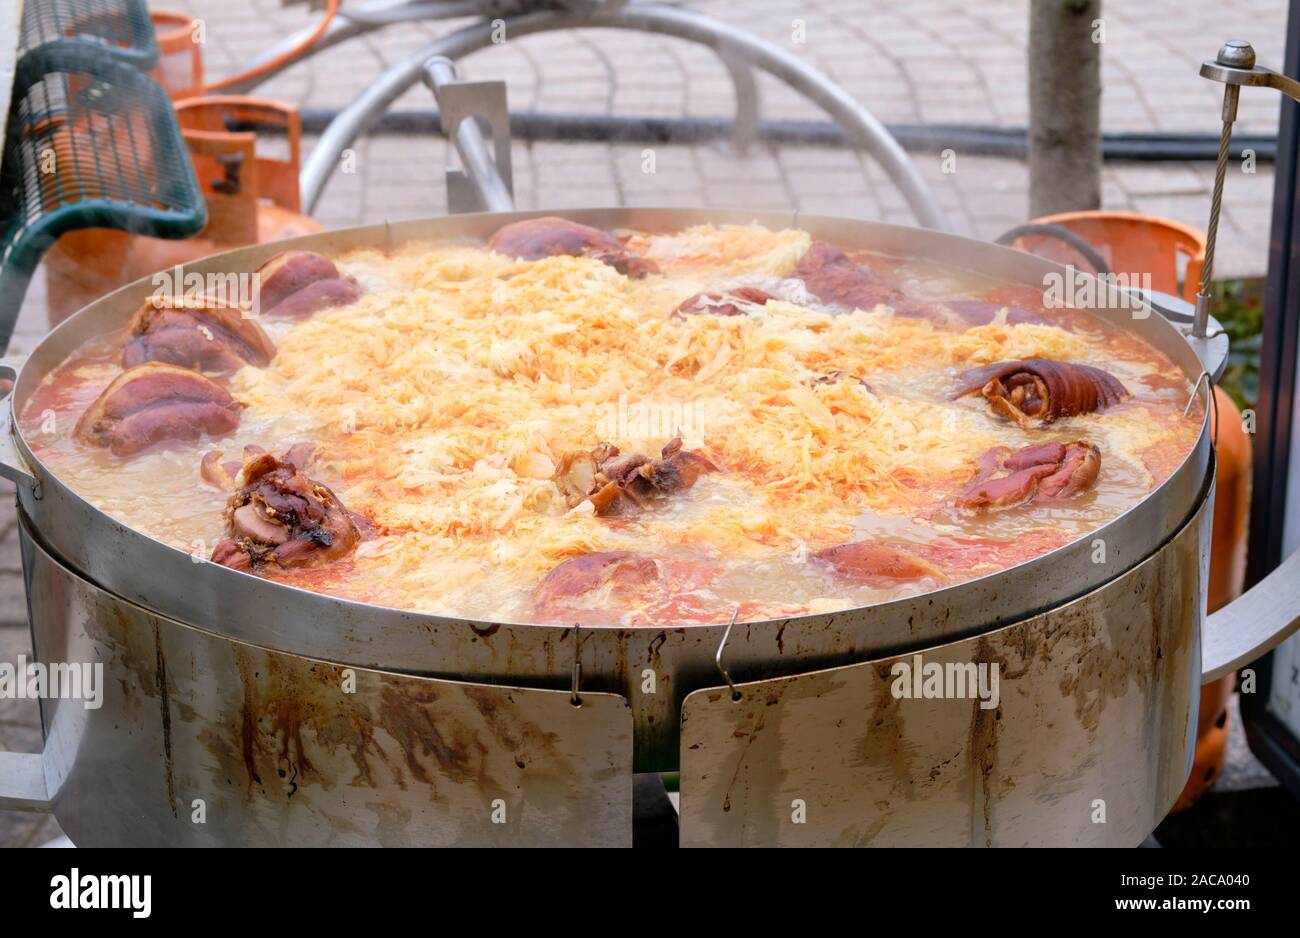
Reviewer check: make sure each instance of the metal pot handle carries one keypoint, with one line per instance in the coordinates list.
(1254, 623)
(22, 774)
(12, 466)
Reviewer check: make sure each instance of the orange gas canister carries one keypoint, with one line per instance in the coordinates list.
(180, 53)
(1227, 577)
(1172, 255)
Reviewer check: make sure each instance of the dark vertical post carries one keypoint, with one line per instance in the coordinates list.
(1064, 106)
(1277, 368)
(1270, 740)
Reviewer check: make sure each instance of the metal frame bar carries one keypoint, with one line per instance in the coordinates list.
(485, 183)
(740, 53)
(1271, 741)
(351, 23)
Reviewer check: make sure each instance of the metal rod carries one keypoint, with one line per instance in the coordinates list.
(861, 126)
(471, 143)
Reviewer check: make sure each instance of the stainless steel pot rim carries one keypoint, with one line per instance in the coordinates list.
(1067, 566)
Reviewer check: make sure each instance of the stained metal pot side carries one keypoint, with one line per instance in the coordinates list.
(278, 750)
(248, 608)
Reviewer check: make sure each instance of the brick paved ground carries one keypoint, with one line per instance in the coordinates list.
(910, 61)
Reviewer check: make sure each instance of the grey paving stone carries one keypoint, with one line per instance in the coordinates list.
(909, 61)
(19, 829)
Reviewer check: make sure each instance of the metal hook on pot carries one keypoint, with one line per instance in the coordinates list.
(717, 659)
(575, 699)
(1214, 403)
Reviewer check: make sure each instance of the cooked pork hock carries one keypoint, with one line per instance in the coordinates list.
(295, 284)
(830, 276)
(618, 484)
(1035, 392)
(1038, 473)
(322, 294)
(289, 272)
(732, 302)
(280, 518)
(885, 563)
(549, 236)
(154, 402)
(202, 333)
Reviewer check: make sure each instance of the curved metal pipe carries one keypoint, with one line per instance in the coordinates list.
(746, 89)
(859, 123)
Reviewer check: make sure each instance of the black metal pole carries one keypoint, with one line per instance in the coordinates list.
(1275, 407)
(1271, 740)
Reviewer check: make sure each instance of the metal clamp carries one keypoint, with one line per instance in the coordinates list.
(484, 183)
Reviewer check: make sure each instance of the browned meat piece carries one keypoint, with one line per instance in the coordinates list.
(722, 304)
(885, 563)
(619, 587)
(196, 332)
(279, 518)
(878, 564)
(1036, 392)
(1035, 454)
(549, 236)
(230, 554)
(619, 484)
(154, 402)
(295, 284)
(289, 272)
(322, 294)
(1037, 473)
(830, 276)
(222, 475)
(632, 266)
(619, 570)
(1077, 472)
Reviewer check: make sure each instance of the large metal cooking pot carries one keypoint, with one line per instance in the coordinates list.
(249, 702)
